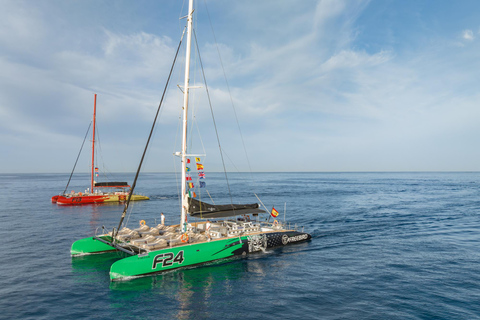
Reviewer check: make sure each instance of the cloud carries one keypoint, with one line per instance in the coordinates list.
(309, 80)
(47, 82)
(468, 35)
(354, 59)
(366, 102)
(21, 27)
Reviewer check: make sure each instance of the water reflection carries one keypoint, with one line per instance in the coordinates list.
(94, 268)
(99, 213)
(190, 289)
(192, 292)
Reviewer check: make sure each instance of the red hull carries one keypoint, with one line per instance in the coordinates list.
(79, 200)
(54, 199)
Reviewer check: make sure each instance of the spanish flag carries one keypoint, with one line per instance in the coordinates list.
(274, 212)
(199, 166)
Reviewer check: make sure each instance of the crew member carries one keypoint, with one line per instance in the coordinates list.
(162, 218)
(207, 229)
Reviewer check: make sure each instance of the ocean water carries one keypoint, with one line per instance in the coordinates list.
(385, 246)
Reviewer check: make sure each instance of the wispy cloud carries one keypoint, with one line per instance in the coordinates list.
(468, 35)
(325, 80)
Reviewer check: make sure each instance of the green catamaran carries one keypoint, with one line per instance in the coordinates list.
(223, 231)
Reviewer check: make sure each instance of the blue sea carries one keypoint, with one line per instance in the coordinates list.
(385, 246)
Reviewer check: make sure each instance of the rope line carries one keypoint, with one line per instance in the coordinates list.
(78, 156)
(213, 118)
(149, 136)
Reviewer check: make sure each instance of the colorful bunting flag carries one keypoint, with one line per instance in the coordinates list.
(188, 178)
(199, 166)
(96, 169)
(201, 175)
(188, 160)
(202, 184)
(197, 159)
(274, 212)
(187, 169)
(190, 185)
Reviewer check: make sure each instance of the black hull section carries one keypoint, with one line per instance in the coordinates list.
(258, 243)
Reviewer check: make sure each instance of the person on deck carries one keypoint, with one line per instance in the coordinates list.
(207, 229)
(162, 219)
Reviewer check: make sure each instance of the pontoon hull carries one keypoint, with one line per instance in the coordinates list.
(186, 255)
(87, 199)
(194, 254)
(91, 245)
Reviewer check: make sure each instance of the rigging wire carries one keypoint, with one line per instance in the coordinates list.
(71, 174)
(204, 161)
(231, 161)
(179, 191)
(228, 87)
(99, 153)
(213, 117)
(231, 99)
(150, 135)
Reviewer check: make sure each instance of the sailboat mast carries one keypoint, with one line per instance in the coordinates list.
(93, 142)
(183, 218)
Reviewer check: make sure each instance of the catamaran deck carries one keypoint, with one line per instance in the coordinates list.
(145, 238)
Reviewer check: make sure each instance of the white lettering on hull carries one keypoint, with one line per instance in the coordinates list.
(286, 239)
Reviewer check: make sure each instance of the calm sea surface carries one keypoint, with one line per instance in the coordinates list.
(385, 246)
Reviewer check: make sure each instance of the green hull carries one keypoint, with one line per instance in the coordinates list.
(91, 246)
(176, 257)
(185, 255)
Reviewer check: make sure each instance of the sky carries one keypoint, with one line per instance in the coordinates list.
(328, 85)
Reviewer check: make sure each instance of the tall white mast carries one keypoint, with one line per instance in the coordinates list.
(183, 219)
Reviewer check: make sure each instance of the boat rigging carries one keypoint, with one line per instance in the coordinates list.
(223, 231)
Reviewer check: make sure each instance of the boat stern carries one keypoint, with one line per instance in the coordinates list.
(91, 245)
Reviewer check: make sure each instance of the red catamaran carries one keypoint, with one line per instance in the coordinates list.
(99, 192)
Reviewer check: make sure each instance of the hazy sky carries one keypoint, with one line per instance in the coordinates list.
(326, 85)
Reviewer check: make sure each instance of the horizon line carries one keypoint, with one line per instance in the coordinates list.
(350, 171)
